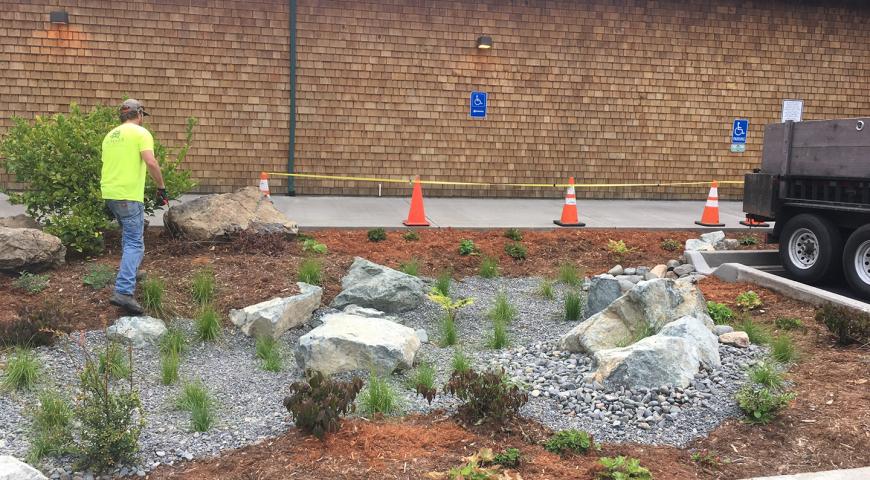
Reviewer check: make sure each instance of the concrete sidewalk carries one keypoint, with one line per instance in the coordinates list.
(389, 212)
(851, 474)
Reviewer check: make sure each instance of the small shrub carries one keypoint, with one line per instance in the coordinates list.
(197, 400)
(847, 325)
(173, 341)
(35, 325)
(545, 289)
(788, 323)
(98, 276)
(411, 267)
(22, 370)
(783, 350)
(502, 310)
(450, 306)
(467, 247)
(203, 286)
(474, 468)
(31, 283)
(423, 381)
(378, 397)
(622, 468)
(618, 250)
(767, 374)
(719, 312)
(269, 352)
(747, 240)
(449, 335)
(514, 234)
(748, 300)
(169, 367)
(411, 236)
(509, 458)
(670, 245)
(442, 283)
(208, 324)
(757, 333)
(761, 404)
(152, 296)
(500, 338)
(317, 403)
(310, 272)
(570, 275)
(489, 267)
(312, 245)
(573, 306)
(460, 362)
(706, 458)
(515, 250)
(377, 235)
(115, 362)
(486, 395)
(51, 430)
(569, 441)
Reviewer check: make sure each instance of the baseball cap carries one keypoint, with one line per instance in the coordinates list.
(134, 105)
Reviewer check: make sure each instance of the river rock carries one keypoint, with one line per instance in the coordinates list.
(659, 271)
(29, 249)
(652, 362)
(215, 216)
(696, 331)
(683, 270)
(617, 270)
(722, 329)
(276, 316)
(137, 331)
(603, 290)
(737, 339)
(13, 469)
(371, 285)
(729, 244)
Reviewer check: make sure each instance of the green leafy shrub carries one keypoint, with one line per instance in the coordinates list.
(411, 267)
(377, 235)
(489, 267)
(98, 276)
(509, 458)
(196, 399)
(467, 247)
(622, 468)
(153, 290)
(748, 300)
(269, 352)
(59, 158)
(115, 361)
(761, 404)
(203, 287)
(569, 441)
(35, 325)
(788, 323)
(515, 250)
(486, 395)
(208, 324)
(847, 325)
(618, 249)
(51, 430)
(719, 312)
(423, 381)
(474, 468)
(31, 283)
(502, 310)
(378, 397)
(767, 374)
(573, 306)
(514, 234)
(169, 362)
(310, 272)
(570, 275)
(500, 337)
(442, 283)
(22, 370)
(545, 289)
(670, 245)
(747, 240)
(312, 245)
(317, 403)
(783, 350)
(411, 236)
(757, 333)
(460, 362)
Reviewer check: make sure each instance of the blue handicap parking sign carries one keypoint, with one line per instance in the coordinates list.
(739, 131)
(478, 105)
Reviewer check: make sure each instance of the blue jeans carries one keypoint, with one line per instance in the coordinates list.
(131, 217)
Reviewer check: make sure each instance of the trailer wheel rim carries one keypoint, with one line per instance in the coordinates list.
(862, 262)
(803, 248)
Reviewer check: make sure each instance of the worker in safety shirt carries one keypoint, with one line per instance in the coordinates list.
(128, 151)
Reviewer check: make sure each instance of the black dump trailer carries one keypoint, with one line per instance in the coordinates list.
(814, 181)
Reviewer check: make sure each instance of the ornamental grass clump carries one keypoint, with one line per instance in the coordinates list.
(51, 427)
(196, 399)
(411, 267)
(169, 362)
(758, 334)
(502, 310)
(489, 267)
(451, 308)
(153, 290)
(783, 350)
(449, 334)
(269, 352)
(203, 288)
(423, 381)
(499, 338)
(570, 275)
(22, 370)
(573, 306)
(442, 283)
(378, 397)
(460, 362)
(318, 403)
(116, 361)
(545, 289)
(310, 272)
(208, 324)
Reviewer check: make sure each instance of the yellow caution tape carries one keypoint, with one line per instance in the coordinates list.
(485, 184)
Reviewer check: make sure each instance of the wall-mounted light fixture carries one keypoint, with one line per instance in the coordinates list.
(59, 17)
(484, 42)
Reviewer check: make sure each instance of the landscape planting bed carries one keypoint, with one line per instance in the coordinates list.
(827, 426)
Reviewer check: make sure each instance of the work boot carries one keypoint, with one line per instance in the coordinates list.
(127, 302)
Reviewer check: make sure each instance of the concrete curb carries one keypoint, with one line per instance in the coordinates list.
(851, 474)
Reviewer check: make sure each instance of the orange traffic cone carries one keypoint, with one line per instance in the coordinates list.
(751, 222)
(417, 215)
(710, 217)
(264, 185)
(569, 211)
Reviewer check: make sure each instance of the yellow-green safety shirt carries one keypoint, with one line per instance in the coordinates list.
(123, 175)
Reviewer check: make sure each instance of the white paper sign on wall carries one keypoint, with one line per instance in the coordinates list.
(792, 110)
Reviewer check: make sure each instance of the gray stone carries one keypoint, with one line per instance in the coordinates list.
(713, 237)
(652, 304)
(654, 361)
(671, 276)
(693, 244)
(13, 469)
(137, 331)
(630, 278)
(422, 335)
(347, 342)
(215, 216)
(603, 290)
(722, 329)
(697, 331)
(659, 271)
(625, 285)
(642, 271)
(672, 264)
(617, 270)
(371, 285)
(371, 313)
(684, 269)
(728, 244)
(274, 317)
(629, 271)
(29, 249)
(737, 339)
(19, 221)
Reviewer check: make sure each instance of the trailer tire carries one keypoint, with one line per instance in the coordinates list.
(856, 261)
(809, 248)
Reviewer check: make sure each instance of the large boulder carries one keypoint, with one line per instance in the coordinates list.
(137, 331)
(695, 245)
(19, 221)
(696, 330)
(652, 362)
(214, 216)
(371, 285)
(276, 316)
(29, 249)
(648, 306)
(13, 469)
(348, 342)
(603, 290)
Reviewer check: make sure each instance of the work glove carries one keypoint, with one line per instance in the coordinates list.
(162, 196)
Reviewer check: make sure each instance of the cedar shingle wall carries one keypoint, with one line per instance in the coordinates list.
(609, 91)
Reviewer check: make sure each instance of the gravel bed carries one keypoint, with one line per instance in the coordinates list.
(249, 399)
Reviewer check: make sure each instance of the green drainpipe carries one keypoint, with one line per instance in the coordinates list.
(291, 149)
